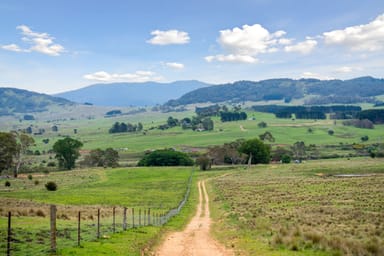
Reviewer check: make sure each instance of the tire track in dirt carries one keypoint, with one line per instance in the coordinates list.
(195, 240)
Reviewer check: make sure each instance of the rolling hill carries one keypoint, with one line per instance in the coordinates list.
(131, 94)
(357, 90)
(14, 100)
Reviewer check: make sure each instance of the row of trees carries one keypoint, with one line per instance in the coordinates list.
(310, 112)
(125, 127)
(14, 147)
(195, 123)
(232, 116)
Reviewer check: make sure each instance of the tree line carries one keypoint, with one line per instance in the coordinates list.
(310, 112)
(125, 127)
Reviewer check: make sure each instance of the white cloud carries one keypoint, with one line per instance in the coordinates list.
(137, 77)
(40, 42)
(174, 65)
(245, 43)
(367, 37)
(304, 47)
(231, 58)
(316, 76)
(344, 69)
(249, 40)
(169, 37)
(12, 47)
(347, 69)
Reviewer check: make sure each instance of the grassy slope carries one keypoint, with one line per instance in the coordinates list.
(288, 210)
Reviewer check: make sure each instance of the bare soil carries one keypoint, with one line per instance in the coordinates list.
(196, 238)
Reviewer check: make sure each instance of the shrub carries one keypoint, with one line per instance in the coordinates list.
(51, 164)
(166, 157)
(262, 125)
(51, 186)
(7, 183)
(331, 132)
(36, 182)
(285, 159)
(30, 177)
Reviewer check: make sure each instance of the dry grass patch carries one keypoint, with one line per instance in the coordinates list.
(292, 209)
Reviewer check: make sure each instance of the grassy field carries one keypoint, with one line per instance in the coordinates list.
(301, 209)
(94, 132)
(159, 189)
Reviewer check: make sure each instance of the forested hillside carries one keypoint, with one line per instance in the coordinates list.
(22, 101)
(356, 90)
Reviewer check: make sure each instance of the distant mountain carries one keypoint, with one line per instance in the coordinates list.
(356, 90)
(131, 94)
(14, 100)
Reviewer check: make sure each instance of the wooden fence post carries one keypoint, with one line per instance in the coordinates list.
(114, 220)
(125, 219)
(78, 229)
(53, 228)
(144, 216)
(9, 238)
(98, 223)
(133, 217)
(139, 217)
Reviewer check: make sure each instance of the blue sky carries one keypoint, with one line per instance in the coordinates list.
(54, 46)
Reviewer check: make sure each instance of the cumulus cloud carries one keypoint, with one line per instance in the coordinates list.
(249, 40)
(169, 37)
(40, 42)
(366, 37)
(174, 65)
(304, 47)
(137, 77)
(245, 43)
(231, 58)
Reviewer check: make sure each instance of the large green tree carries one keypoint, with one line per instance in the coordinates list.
(256, 150)
(67, 151)
(8, 149)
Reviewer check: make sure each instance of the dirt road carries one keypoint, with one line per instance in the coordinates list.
(195, 239)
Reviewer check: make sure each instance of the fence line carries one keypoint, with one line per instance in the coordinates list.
(145, 217)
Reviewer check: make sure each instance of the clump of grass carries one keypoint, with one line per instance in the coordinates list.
(30, 177)
(40, 213)
(36, 182)
(7, 183)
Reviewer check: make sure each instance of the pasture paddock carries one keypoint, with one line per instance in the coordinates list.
(301, 209)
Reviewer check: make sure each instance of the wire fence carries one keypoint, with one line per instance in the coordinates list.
(61, 229)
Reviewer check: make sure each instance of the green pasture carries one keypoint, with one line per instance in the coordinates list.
(94, 133)
(130, 187)
(159, 189)
(301, 209)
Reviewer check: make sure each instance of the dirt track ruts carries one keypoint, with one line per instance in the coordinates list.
(195, 239)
